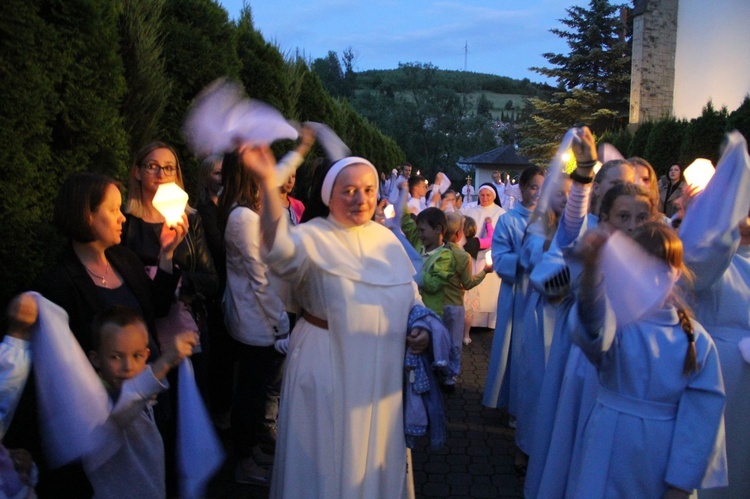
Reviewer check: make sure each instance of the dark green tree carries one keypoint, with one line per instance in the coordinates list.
(263, 71)
(593, 79)
(484, 106)
(330, 72)
(148, 85)
(640, 140)
(200, 46)
(704, 135)
(599, 57)
(739, 119)
(88, 132)
(31, 58)
(663, 145)
(349, 58)
(541, 133)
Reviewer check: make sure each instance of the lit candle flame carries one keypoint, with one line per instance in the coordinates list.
(488, 258)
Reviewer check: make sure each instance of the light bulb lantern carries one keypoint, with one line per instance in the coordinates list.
(170, 200)
(389, 211)
(699, 173)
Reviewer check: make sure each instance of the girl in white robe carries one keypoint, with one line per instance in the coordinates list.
(655, 426)
(501, 387)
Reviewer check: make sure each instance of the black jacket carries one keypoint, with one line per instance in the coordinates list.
(192, 256)
(70, 286)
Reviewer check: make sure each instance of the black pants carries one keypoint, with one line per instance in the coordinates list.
(256, 396)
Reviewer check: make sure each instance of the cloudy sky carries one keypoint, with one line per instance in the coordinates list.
(504, 37)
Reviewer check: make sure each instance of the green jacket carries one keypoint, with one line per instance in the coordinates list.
(439, 265)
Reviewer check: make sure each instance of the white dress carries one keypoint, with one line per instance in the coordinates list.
(340, 429)
(489, 289)
(722, 300)
(651, 425)
(501, 387)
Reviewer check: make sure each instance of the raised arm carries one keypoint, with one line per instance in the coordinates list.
(261, 162)
(584, 149)
(709, 230)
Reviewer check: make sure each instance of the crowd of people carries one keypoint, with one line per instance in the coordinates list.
(322, 335)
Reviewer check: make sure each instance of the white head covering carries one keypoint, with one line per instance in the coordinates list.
(488, 188)
(330, 178)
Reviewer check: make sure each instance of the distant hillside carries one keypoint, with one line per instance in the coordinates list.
(505, 96)
(436, 116)
(459, 81)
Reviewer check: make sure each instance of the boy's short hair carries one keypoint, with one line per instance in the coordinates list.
(433, 217)
(119, 316)
(416, 179)
(454, 223)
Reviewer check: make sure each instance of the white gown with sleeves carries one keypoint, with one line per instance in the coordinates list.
(340, 428)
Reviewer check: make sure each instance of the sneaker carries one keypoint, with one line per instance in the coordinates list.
(511, 422)
(248, 472)
(467, 341)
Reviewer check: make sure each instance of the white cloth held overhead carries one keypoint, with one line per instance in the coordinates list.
(635, 281)
(554, 177)
(223, 118)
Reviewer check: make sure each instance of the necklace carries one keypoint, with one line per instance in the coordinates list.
(103, 278)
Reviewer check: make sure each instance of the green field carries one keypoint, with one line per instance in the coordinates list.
(500, 100)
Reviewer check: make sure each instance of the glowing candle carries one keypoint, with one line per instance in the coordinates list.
(699, 173)
(488, 258)
(389, 211)
(170, 201)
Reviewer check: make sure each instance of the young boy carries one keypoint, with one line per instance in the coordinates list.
(460, 281)
(438, 264)
(120, 351)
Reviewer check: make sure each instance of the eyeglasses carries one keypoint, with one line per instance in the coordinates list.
(154, 168)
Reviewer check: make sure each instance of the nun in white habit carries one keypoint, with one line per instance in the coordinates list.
(341, 423)
(488, 291)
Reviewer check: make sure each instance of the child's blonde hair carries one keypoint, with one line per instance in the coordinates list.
(453, 225)
(470, 227)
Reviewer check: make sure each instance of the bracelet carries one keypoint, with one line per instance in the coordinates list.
(577, 177)
(586, 164)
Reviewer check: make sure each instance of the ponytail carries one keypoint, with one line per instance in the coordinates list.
(691, 358)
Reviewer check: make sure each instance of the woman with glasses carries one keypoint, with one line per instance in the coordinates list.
(155, 164)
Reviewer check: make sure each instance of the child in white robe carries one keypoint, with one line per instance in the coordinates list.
(655, 428)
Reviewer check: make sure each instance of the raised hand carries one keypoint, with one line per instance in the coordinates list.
(22, 314)
(584, 147)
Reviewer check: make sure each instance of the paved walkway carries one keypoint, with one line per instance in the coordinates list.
(478, 460)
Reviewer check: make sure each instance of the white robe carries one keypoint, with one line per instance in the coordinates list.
(489, 289)
(340, 429)
(722, 299)
(501, 387)
(651, 426)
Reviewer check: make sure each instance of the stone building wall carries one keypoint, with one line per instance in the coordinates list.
(653, 60)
